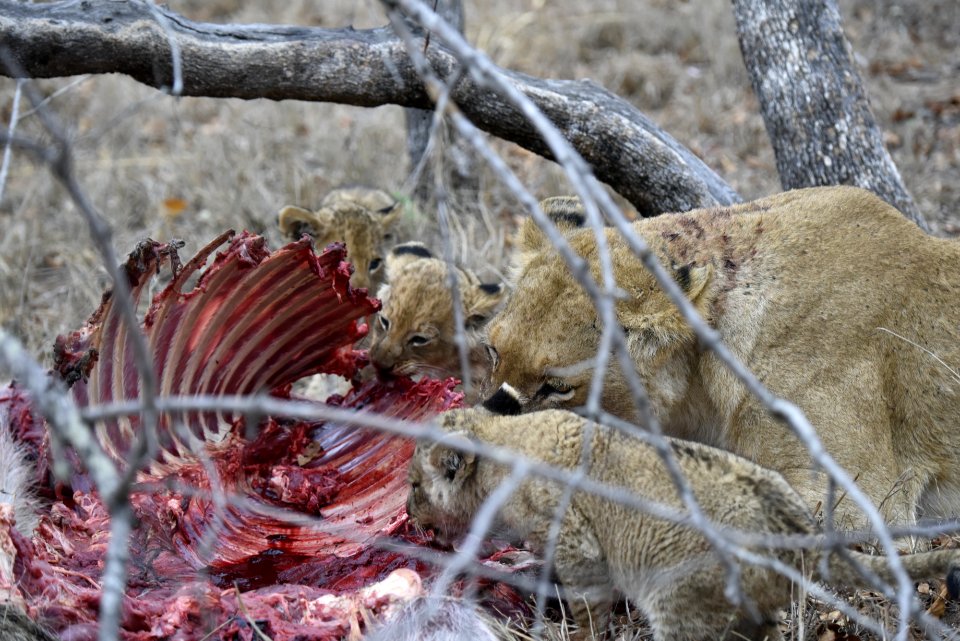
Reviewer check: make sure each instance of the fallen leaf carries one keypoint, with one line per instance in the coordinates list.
(938, 607)
(173, 207)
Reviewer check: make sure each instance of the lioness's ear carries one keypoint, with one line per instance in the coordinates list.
(666, 325)
(449, 462)
(404, 255)
(692, 279)
(484, 299)
(567, 214)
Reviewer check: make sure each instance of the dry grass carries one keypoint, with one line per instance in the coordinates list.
(235, 163)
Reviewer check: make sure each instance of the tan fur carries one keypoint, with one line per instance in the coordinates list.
(835, 300)
(416, 330)
(376, 200)
(566, 212)
(437, 619)
(669, 571)
(358, 216)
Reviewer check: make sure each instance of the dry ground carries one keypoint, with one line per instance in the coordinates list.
(189, 168)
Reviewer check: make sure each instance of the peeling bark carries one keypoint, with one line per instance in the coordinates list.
(366, 68)
(813, 101)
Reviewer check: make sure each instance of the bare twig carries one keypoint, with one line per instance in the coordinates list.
(487, 74)
(11, 130)
(114, 490)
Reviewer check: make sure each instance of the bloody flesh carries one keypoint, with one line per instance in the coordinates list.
(252, 322)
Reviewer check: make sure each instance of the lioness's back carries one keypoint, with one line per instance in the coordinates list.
(831, 297)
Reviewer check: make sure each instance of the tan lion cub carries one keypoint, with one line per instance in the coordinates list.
(416, 328)
(669, 571)
(361, 217)
(834, 299)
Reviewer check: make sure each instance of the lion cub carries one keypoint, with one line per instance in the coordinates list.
(669, 571)
(360, 217)
(830, 296)
(416, 330)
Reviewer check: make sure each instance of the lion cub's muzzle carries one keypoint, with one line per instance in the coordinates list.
(505, 400)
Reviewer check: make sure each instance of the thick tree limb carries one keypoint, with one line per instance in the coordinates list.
(813, 101)
(365, 68)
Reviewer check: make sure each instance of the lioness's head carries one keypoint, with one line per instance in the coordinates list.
(416, 328)
(443, 496)
(544, 342)
(359, 217)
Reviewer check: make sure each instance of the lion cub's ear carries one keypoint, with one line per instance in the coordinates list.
(451, 463)
(666, 325)
(482, 302)
(405, 254)
(388, 215)
(296, 221)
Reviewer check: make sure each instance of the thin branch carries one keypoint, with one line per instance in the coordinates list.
(63, 417)
(488, 74)
(8, 145)
(113, 490)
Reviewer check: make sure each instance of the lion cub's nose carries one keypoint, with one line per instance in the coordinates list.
(384, 370)
(504, 401)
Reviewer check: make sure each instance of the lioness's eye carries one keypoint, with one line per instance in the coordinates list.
(418, 340)
(375, 264)
(493, 354)
(558, 390)
(384, 323)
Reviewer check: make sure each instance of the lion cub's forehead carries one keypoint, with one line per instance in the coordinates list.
(418, 293)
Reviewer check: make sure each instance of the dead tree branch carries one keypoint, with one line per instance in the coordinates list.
(358, 67)
(813, 101)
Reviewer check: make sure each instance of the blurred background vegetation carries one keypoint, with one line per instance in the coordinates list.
(189, 168)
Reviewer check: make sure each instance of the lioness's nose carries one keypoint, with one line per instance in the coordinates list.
(504, 401)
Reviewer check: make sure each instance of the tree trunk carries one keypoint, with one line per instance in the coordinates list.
(458, 160)
(813, 101)
(359, 67)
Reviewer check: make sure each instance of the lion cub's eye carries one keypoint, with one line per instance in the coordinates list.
(418, 340)
(375, 264)
(556, 391)
(384, 323)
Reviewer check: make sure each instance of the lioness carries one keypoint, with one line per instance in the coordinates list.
(834, 299)
(668, 570)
